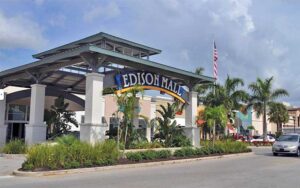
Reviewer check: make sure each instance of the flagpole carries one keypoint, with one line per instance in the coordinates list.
(214, 91)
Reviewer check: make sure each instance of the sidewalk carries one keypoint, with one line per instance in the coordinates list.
(10, 163)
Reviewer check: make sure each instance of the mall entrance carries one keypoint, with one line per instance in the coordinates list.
(16, 118)
(15, 131)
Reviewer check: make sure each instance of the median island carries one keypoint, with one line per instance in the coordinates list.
(70, 153)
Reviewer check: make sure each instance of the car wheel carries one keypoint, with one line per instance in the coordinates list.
(275, 154)
(298, 153)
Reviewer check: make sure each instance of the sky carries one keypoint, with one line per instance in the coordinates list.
(254, 38)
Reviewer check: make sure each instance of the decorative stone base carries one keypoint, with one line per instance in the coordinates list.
(35, 134)
(92, 133)
(3, 132)
(193, 133)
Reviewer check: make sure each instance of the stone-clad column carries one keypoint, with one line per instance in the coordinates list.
(3, 126)
(191, 130)
(93, 129)
(36, 130)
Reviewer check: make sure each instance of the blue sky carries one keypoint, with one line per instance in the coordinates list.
(254, 38)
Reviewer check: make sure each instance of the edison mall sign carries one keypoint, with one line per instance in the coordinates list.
(149, 80)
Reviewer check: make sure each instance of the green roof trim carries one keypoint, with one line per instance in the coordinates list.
(151, 64)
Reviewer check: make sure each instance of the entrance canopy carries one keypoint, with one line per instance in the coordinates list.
(65, 67)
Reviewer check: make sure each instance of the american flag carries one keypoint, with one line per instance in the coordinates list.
(215, 58)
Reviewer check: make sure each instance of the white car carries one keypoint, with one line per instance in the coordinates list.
(287, 144)
(260, 139)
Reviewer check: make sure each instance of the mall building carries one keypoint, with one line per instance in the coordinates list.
(80, 71)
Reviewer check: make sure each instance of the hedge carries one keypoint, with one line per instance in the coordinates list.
(68, 155)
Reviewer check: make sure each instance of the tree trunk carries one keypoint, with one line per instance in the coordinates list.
(265, 122)
(214, 133)
(280, 127)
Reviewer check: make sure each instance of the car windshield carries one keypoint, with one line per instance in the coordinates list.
(288, 138)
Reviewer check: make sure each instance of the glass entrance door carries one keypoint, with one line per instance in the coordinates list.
(15, 131)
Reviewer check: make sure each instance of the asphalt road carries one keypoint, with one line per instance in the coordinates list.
(259, 170)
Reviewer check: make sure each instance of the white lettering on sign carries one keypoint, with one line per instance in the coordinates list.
(132, 79)
(148, 80)
(1, 94)
(125, 79)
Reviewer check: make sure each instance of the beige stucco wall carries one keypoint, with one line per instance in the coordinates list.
(164, 101)
(258, 125)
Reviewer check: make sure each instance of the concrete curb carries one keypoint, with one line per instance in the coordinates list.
(251, 147)
(118, 167)
(12, 156)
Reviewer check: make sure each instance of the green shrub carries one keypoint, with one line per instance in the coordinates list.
(206, 150)
(134, 156)
(145, 145)
(181, 141)
(185, 152)
(199, 152)
(148, 155)
(16, 146)
(121, 146)
(156, 144)
(224, 147)
(71, 155)
(189, 151)
(72, 164)
(179, 153)
(163, 154)
(67, 140)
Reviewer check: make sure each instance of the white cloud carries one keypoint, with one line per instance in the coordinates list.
(240, 14)
(215, 18)
(184, 55)
(57, 20)
(19, 32)
(100, 11)
(276, 49)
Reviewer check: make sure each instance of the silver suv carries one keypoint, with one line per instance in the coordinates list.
(287, 144)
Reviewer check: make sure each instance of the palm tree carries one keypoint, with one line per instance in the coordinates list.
(59, 118)
(127, 104)
(215, 115)
(228, 95)
(278, 114)
(262, 97)
(168, 129)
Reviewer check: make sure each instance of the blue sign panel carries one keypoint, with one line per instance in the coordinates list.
(149, 80)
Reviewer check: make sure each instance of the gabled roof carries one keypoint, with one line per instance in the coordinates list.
(93, 39)
(50, 67)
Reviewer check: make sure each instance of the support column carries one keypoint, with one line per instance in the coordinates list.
(152, 116)
(136, 113)
(191, 130)
(35, 131)
(93, 130)
(3, 126)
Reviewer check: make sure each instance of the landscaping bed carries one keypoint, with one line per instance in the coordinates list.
(260, 143)
(82, 155)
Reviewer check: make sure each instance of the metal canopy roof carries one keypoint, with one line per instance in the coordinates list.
(103, 39)
(64, 68)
